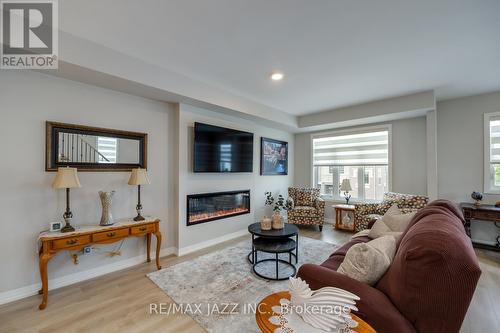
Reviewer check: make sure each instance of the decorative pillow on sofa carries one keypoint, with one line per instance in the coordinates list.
(398, 222)
(392, 223)
(393, 210)
(362, 233)
(381, 229)
(367, 262)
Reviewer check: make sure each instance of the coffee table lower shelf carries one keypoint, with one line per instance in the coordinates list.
(274, 247)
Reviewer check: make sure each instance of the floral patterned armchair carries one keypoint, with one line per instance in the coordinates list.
(366, 212)
(307, 207)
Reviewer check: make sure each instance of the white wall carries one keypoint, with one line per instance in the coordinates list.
(27, 201)
(194, 236)
(460, 152)
(384, 110)
(408, 157)
(432, 170)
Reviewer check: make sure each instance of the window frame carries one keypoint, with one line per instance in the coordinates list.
(488, 186)
(357, 130)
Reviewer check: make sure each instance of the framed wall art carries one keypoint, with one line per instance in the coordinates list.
(273, 157)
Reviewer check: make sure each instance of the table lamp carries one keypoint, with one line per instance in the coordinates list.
(346, 187)
(67, 178)
(139, 177)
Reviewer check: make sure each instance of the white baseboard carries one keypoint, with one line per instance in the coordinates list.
(23, 292)
(192, 248)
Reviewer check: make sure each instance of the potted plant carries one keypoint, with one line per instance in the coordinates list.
(266, 223)
(278, 205)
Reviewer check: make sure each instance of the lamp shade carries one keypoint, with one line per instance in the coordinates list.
(66, 178)
(139, 177)
(346, 185)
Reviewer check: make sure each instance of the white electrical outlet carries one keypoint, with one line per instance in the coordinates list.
(87, 250)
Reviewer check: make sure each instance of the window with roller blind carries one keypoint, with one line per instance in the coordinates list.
(362, 156)
(492, 153)
(108, 149)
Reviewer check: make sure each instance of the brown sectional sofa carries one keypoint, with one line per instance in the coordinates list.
(428, 287)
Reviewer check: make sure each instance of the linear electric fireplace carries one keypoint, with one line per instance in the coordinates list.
(207, 207)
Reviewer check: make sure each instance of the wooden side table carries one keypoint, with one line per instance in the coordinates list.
(488, 213)
(340, 212)
(265, 311)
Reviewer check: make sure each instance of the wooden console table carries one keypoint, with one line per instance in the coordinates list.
(487, 213)
(54, 242)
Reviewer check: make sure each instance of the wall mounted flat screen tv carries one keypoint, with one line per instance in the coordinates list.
(219, 149)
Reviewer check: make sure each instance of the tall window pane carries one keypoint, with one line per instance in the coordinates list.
(323, 179)
(375, 182)
(360, 157)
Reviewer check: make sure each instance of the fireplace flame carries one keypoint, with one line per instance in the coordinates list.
(219, 213)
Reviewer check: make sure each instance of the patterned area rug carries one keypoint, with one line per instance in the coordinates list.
(220, 291)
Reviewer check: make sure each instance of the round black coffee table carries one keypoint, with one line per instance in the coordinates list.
(275, 242)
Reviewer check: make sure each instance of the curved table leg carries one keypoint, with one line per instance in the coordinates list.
(158, 247)
(148, 247)
(44, 259)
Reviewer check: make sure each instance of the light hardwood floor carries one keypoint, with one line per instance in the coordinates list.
(119, 302)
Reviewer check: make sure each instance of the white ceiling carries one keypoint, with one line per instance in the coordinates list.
(333, 53)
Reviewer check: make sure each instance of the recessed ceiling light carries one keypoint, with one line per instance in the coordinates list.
(277, 76)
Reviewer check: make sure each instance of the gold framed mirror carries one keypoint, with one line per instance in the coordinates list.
(94, 149)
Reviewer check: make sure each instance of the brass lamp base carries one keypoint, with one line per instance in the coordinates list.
(139, 218)
(68, 227)
(138, 209)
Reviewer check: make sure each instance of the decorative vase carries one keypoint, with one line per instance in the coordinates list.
(277, 221)
(346, 220)
(106, 200)
(266, 223)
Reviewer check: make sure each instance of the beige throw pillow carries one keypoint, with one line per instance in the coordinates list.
(393, 210)
(362, 233)
(378, 229)
(398, 222)
(367, 262)
(394, 222)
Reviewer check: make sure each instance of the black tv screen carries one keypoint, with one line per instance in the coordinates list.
(219, 149)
